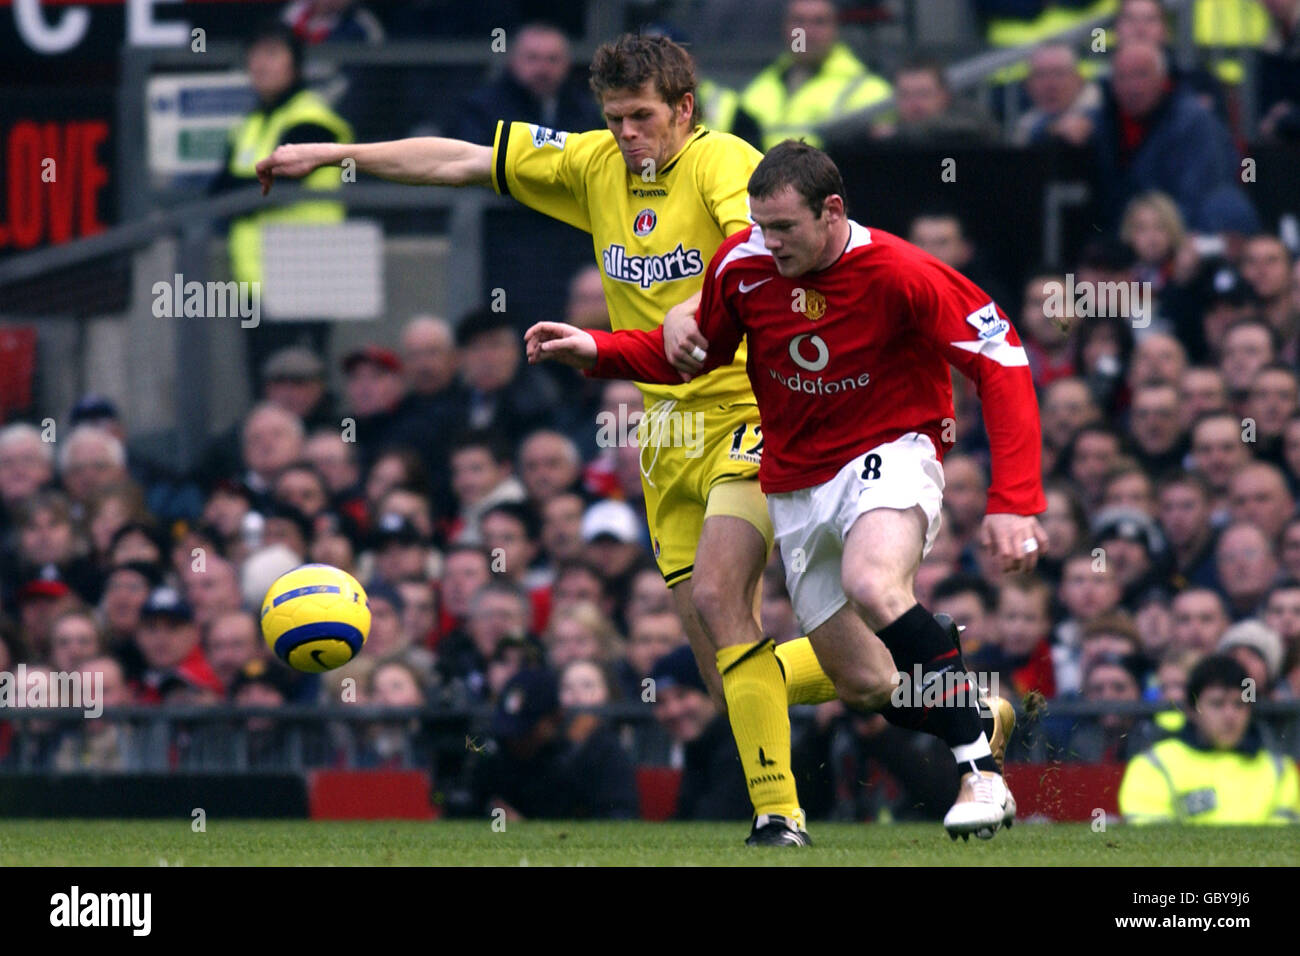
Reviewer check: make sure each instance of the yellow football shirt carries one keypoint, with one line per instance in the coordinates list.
(653, 236)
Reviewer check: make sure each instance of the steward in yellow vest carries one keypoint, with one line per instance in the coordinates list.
(1217, 769)
(719, 108)
(1229, 25)
(287, 112)
(1009, 23)
(817, 82)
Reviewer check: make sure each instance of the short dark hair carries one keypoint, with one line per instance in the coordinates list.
(463, 547)
(500, 585)
(1274, 340)
(1216, 670)
(578, 566)
(1276, 366)
(307, 468)
(634, 59)
(44, 499)
(153, 533)
(1192, 479)
(274, 31)
(287, 512)
(1209, 415)
(520, 512)
(962, 583)
(805, 169)
(924, 64)
(494, 443)
(481, 321)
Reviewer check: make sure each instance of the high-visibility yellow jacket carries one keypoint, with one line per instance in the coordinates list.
(841, 85)
(1229, 25)
(257, 135)
(718, 105)
(1182, 780)
(1005, 32)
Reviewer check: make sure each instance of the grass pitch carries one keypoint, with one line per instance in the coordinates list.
(473, 843)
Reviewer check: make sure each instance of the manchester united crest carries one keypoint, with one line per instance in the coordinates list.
(814, 305)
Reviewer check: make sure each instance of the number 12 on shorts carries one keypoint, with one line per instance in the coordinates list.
(755, 452)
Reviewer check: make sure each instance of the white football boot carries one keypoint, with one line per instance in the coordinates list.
(981, 807)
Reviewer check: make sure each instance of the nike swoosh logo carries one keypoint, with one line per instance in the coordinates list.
(750, 288)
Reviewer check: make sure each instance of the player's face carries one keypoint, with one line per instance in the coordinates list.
(799, 241)
(648, 131)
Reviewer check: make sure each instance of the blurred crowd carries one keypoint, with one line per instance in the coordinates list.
(494, 512)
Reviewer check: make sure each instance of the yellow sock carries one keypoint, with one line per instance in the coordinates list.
(760, 722)
(805, 681)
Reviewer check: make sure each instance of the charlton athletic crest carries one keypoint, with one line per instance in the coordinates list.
(645, 222)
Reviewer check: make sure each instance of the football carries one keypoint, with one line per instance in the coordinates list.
(315, 618)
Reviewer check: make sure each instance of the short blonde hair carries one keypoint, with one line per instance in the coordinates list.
(591, 619)
(1171, 220)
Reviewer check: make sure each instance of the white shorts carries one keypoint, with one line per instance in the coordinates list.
(812, 523)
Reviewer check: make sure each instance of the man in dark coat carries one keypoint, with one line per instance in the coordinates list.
(535, 88)
(1152, 135)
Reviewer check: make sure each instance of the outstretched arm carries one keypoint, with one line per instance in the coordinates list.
(418, 161)
(630, 353)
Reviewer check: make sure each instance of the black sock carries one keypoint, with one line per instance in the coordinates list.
(915, 639)
(986, 720)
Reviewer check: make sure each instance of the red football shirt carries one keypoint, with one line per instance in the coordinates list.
(855, 355)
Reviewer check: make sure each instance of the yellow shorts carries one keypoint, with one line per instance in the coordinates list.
(698, 460)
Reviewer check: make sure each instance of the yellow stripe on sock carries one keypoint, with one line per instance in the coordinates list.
(760, 722)
(805, 681)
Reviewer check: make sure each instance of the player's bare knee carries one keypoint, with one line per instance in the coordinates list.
(867, 589)
(863, 690)
(715, 604)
